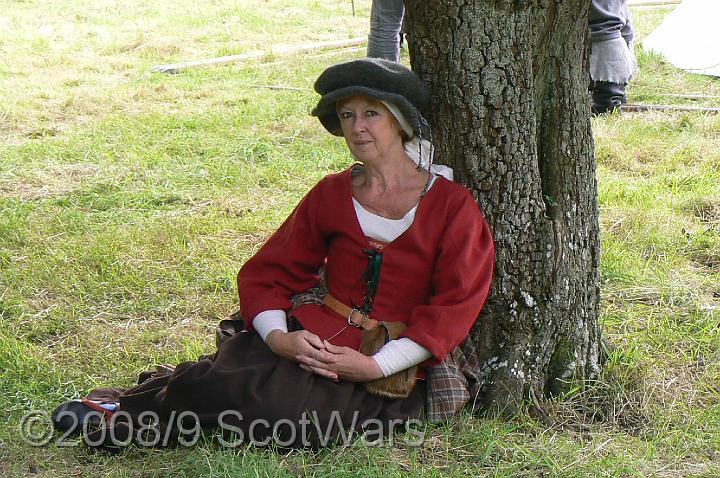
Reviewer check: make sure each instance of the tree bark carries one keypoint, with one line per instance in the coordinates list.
(511, 114)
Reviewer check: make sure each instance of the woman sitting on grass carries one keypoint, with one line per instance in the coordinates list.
(397, 243)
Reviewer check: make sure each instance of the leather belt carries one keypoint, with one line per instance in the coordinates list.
(354, 316)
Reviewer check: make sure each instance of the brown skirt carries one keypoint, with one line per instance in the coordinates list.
(251, 394)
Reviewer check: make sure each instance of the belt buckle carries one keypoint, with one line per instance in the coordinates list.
(350, 321)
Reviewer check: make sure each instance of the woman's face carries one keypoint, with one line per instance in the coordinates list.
(370, 129)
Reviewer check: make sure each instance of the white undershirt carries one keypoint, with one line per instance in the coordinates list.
(397, 354)
(381, 228)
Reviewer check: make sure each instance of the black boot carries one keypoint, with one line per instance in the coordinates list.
(607, 97)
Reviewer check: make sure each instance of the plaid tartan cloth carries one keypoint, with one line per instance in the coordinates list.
(453, 383)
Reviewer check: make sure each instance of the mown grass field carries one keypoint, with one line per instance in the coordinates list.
(129, 199)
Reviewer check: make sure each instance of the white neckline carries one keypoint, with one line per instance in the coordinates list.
(411, 212)
(382, 228)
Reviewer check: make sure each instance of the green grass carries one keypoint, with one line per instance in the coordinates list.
(128, 200)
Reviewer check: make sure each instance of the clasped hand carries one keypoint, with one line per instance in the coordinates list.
(323, 358)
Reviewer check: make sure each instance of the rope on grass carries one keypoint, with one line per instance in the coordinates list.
(689, 96)
(173, 68)
(643, 107)
(652, 3)
(279, 87)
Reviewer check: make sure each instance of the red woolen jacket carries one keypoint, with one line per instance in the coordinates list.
(434, 277)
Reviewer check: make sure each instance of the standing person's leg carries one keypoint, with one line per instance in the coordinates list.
(607, 19)
(627, 31)
(612, 61)
(385, 23)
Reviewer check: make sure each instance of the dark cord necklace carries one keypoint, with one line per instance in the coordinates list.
(427, 185)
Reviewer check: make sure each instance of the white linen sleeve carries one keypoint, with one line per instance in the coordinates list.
(400, 354)
(269, 320)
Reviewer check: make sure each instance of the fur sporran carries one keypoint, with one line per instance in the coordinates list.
(397, 385)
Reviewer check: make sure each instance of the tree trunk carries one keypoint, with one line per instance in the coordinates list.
(510, 113)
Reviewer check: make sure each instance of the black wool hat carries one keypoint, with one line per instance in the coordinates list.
(374, 77)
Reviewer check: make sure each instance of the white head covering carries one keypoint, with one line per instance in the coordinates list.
(414, 145)
(399, 117)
